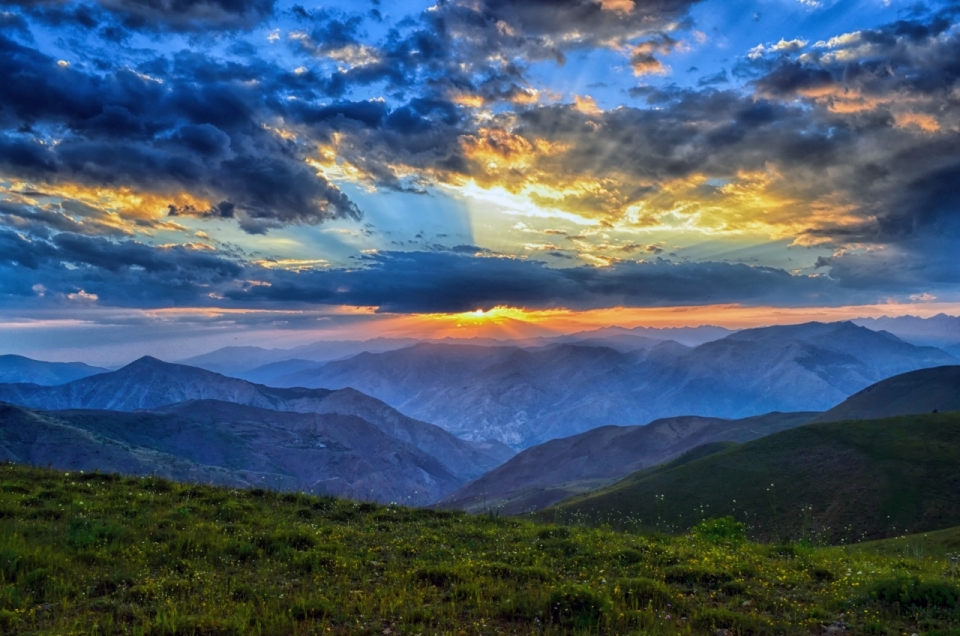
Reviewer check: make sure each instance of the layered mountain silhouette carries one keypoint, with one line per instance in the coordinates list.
(524, 397)
(20, 369)
(258, 364)
(550, 472)
(149, 384)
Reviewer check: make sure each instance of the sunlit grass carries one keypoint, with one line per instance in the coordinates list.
(103, 554)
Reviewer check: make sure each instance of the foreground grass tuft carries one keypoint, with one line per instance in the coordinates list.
(102, 554)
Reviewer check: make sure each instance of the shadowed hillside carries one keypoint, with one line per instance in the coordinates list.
(923, 391)
(544, 475)
(223, 443)
(840, 482)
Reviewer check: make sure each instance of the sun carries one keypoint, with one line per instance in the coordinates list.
(495, 315)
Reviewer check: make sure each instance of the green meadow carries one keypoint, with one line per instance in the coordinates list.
(104, 554)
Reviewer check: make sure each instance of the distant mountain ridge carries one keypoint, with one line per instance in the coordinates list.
(20, 369)
(543, 475)
(149, 384)
(524, 397)
(937, 331)
(258, 364)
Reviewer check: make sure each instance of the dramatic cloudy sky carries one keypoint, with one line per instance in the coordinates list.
(179, 174)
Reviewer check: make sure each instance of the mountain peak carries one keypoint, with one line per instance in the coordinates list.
(148, 361)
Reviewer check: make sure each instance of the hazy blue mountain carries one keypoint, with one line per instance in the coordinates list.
(542, 475)
(937, 331)
(20, 369)
(917, 392)
(271, 374)
(222, 442)
(257, 364)
(149, 384)
(525, 397)
(238, 360)
(687, 336)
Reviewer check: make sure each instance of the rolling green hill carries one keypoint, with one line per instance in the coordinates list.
(90, 553)
(923, 391)
(935, 544)
(835, 482)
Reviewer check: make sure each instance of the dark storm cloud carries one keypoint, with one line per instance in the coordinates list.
(482, 48)
(121, 16)
(132, 273)
(123, 273)
(127, 129)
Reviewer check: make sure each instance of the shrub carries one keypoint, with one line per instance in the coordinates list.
(724, 529)
(911, 591)
(717, 619)
(554, 533)
(10, 564)
(734, 588)
(520, 574)
(559, 548)
(691, 576)
(8, 619)
(576, 606)
(439, 576)
(82, 534)
(640, 592)
(37, 581)
(629, 556)
(311, 609)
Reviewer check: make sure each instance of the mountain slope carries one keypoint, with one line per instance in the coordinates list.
(524, 397)
(39, 438)
(543, 475)
(922, 391)
(841, 481)
(20, 369)
(227, 443)
(150, 384)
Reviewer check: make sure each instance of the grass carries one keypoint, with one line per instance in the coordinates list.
(938, 543)
(833, 483)
(105, 554)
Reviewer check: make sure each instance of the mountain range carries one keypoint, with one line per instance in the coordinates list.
(524, 397)
(938, 331)
(274, 365)
(20, 369)
(149, 384)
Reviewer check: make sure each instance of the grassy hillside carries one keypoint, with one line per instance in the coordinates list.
(102, 554)
(924, 391)
(935, 544)
(836, 483)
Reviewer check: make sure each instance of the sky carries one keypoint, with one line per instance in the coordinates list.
(181, 175)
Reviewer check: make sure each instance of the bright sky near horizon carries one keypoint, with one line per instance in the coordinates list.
(177, 176)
